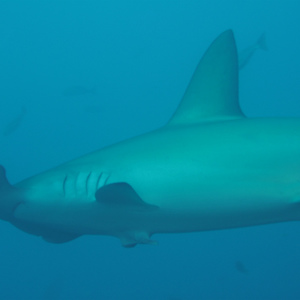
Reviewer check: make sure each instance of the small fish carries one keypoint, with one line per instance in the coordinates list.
(14, 124)
(77, 90)
(246, 54)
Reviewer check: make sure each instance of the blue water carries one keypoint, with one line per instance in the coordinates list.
(139, 57)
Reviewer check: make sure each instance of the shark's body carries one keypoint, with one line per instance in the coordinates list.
(208, 168)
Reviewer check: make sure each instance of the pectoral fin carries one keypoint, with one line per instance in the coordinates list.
(121, 195)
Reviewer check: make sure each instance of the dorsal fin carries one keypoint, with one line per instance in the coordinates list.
(212, 94)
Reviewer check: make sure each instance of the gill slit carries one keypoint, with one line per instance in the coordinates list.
(98, 180)
(105, 181)
(87, 182)
(64, 184)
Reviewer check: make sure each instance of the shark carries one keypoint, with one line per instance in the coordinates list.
(209, 168)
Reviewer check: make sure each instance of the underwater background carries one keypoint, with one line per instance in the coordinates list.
(76, 76)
